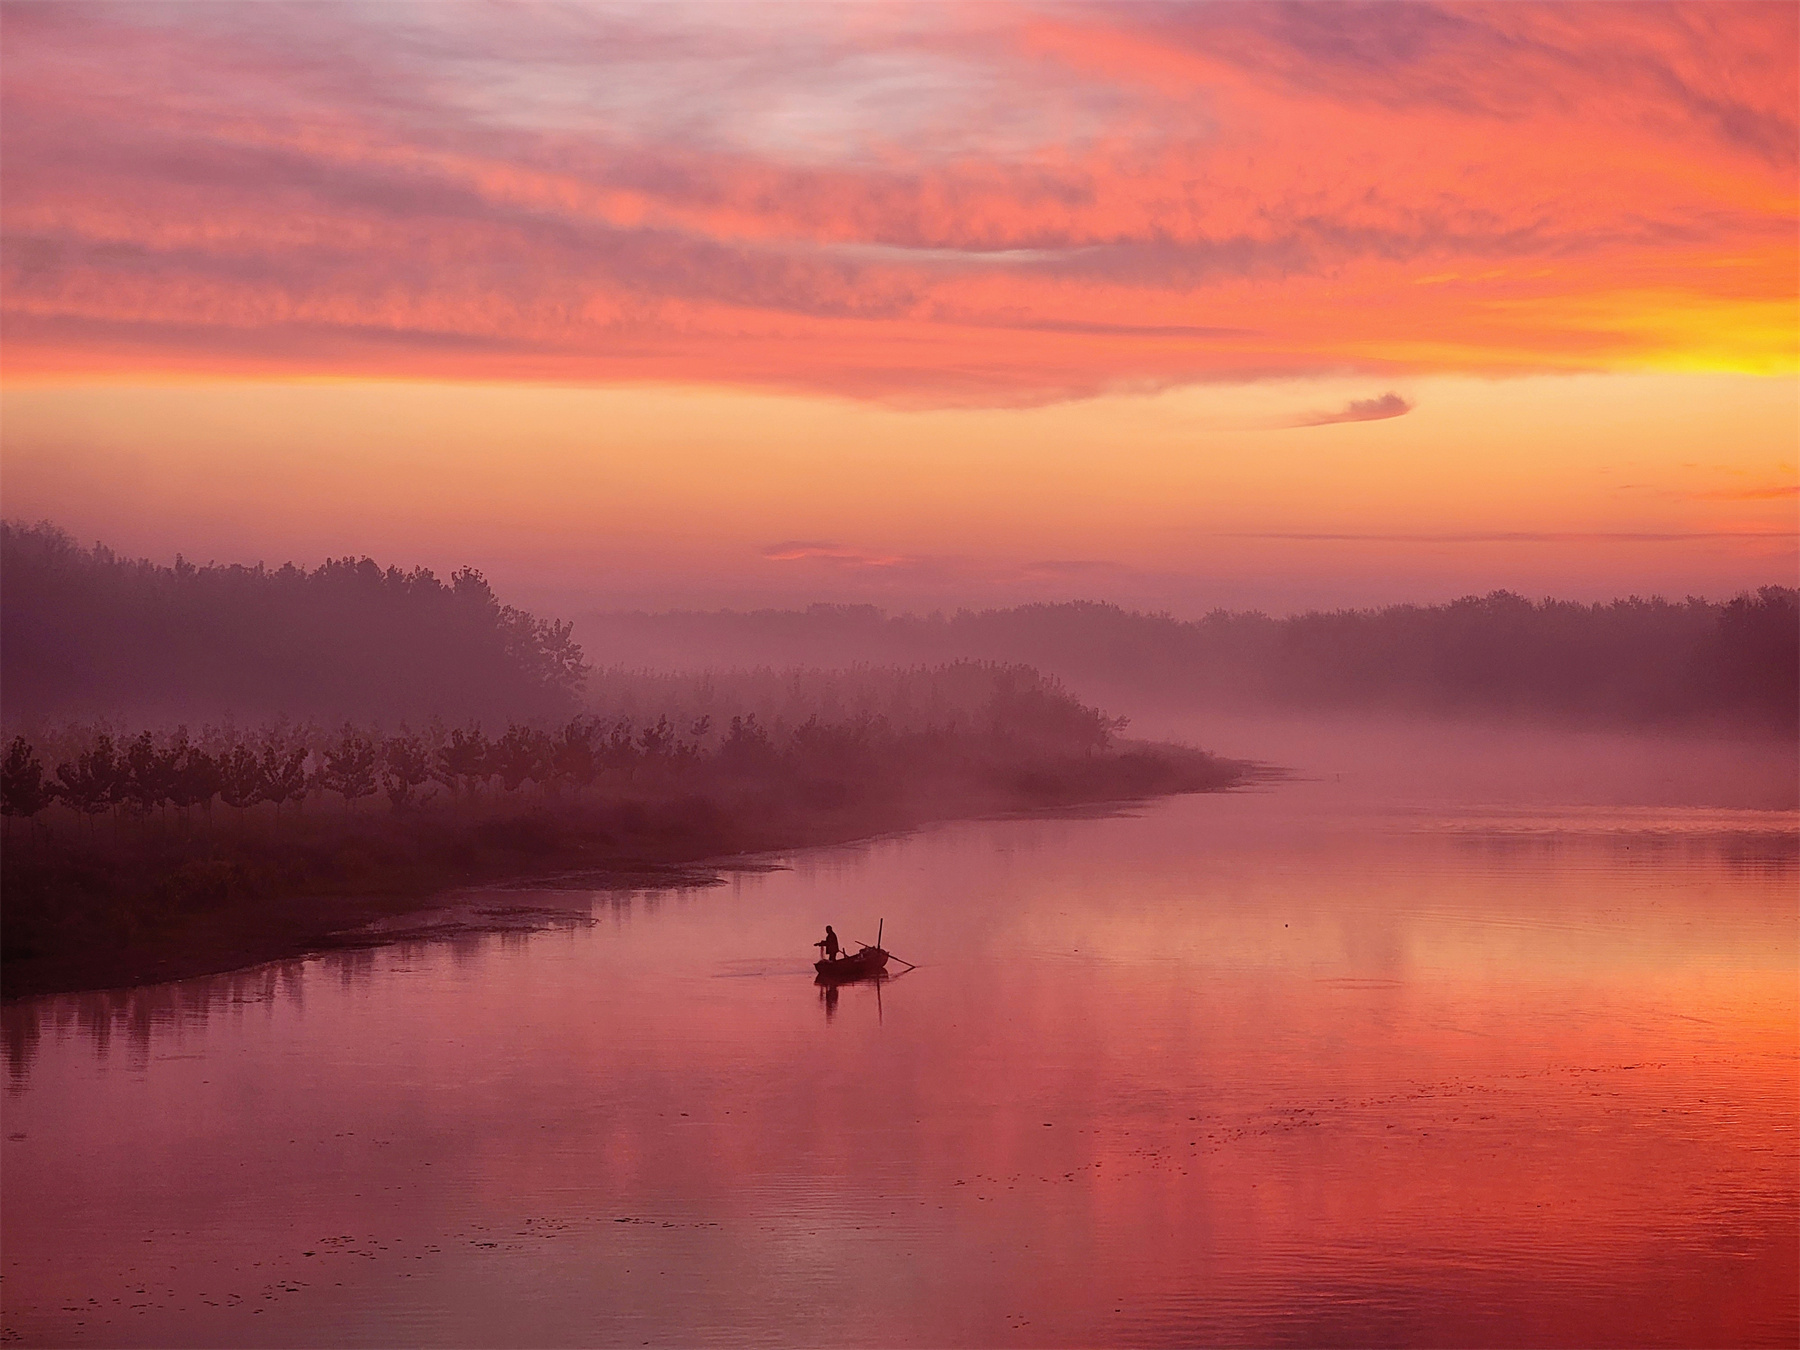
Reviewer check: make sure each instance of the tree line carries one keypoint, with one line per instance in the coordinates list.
(99, 771)
(86, 632)
(135, 777)
(1634, 661)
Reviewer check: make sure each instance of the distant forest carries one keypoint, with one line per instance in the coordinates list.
(1628, 662)
(86, 633)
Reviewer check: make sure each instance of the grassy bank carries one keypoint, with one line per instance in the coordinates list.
(113, 902)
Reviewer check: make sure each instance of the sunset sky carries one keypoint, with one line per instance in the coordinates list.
(1173, 305)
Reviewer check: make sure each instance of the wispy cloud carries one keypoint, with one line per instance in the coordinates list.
(853, 200)
(1387, 405)
(1749, 494)
(835, 555)
(1522, 536)
(1068, 569)
(1057, 575)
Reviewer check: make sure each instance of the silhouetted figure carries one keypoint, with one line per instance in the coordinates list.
(830, 944)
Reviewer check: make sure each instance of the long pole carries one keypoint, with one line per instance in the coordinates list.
(878, 927)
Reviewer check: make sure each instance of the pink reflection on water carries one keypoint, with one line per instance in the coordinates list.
(1220, 1072)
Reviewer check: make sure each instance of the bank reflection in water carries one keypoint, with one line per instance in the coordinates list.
(1210, 1073)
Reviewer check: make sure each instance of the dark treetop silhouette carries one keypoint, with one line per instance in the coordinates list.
(84, 632)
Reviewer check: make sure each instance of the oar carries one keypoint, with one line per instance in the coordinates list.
(879, 926)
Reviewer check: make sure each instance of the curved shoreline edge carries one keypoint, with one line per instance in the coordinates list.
(434, 897)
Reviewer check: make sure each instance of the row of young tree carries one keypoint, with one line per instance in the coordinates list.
(145, 774)
(102, 771)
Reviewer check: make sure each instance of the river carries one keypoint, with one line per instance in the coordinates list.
(1355, 1059)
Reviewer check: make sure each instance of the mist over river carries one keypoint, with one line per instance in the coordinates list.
(1458, 1038)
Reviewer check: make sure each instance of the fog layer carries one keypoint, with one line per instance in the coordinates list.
(1629, 663)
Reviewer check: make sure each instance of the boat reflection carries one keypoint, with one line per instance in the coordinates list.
(829, 990)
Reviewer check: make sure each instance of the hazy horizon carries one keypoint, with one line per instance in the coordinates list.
(654, 306)
(1251, 546)
(573, 598)
(85, 633)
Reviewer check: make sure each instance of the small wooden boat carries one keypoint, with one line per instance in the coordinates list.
(865, 964)
(869, 963)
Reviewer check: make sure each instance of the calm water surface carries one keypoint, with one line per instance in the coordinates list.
(1294, 1066)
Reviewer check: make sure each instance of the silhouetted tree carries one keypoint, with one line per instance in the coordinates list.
(349, 768)
(746, 747)
(686, 755)
(572, 757)
(463, 759)
(168, 773)
(23, 791)
(242, 784)
(90, 784)
(845, 750)
(148, 772)
(620, 750)
(196, 779)
(283, 774)
(1042, 714)
(520, 754)
(656, 741)
(1752, 663)
(405, 766)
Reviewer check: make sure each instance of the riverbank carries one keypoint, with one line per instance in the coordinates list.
(154, 901)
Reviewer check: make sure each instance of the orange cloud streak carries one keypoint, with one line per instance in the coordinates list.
(873, 210)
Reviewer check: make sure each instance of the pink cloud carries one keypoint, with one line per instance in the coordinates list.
(1357, 410)
(859, 203)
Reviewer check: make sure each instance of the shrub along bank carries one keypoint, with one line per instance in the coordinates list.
(149, 855)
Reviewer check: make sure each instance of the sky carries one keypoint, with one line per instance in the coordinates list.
(1270, 305)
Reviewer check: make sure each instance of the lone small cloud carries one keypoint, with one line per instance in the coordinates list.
(1389, 404)
(833, 555)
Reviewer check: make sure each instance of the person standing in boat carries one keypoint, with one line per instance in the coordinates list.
(830, 944)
